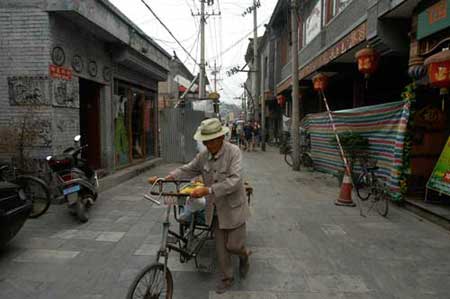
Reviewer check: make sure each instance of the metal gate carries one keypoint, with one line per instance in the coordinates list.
(177, 131)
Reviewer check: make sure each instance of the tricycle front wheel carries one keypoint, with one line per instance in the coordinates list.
(150, 283)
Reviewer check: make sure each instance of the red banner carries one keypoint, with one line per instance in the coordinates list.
(59, 72)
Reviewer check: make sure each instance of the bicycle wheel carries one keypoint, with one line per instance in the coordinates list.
(288, 158)
(382, 202)
(363, 186)
(307, 161)
(151, 284)
(37, 191)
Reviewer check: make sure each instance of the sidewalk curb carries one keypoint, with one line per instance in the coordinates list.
(427, 214)
(126, 174)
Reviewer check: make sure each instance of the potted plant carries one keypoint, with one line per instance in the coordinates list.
(355, 147)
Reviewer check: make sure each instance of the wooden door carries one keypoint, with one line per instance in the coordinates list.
(90, 121)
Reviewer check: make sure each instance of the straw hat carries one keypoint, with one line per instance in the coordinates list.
(210, 129)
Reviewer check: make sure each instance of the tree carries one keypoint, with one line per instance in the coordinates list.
(19, 137)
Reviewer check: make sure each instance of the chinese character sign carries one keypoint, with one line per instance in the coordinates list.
(58, 72)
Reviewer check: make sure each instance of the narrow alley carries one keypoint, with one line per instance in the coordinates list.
(304, 246)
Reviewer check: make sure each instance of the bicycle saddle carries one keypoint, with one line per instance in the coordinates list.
(374, 168)
(3, 167)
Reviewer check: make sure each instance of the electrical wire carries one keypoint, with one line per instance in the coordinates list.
(221, 34)
(196, 52)
(240, 40)
(168, 30)
(216, 39)
(174, 42)
(193, 45)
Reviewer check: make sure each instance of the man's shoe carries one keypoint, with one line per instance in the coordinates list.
(223, 285)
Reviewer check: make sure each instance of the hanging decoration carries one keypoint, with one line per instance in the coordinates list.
(281, 100)
(439, 72)
(320, 82)
(367, 59)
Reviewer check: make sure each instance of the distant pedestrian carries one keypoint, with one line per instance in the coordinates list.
(234, 136)
(248, 134)
(257, 133)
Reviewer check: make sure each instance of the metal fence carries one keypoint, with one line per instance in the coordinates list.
(177, 130)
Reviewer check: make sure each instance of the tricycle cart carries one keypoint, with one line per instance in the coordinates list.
(155, 281)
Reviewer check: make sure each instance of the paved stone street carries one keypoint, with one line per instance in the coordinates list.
(304, 246)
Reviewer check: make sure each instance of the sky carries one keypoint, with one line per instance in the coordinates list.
(226, 36)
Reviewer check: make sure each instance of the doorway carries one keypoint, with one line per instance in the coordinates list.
(90, 121)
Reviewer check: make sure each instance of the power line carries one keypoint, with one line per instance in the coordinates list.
(187, 3)
(240, 40)
(170, 32)
(220, 29)
(172, 42)
(216, 39)
(193, 45)
(213, 38)
(196, 50)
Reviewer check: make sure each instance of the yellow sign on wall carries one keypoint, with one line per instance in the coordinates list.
(440, 178)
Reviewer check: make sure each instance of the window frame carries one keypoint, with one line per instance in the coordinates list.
(304, 27)
(332, 10)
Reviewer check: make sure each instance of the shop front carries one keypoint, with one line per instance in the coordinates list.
(429, 125)
(135, 124)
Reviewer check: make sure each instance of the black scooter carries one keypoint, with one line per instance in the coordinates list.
(77, 182)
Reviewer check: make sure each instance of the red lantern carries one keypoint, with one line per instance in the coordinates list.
(320, 82)
(439, 69)
(281, 99)
(367, 61)
(439, 72)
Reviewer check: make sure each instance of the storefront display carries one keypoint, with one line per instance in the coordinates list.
(135, 124)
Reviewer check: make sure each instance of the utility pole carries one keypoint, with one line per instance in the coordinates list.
(202, 82)
(295, 136)
(216, 102)
(202, 66)
(263, 109)
(255, 59)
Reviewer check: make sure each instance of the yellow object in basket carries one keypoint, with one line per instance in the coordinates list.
(189, 188)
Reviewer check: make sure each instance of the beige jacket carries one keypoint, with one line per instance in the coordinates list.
(223, 174)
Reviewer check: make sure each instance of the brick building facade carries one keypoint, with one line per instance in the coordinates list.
(80, 67)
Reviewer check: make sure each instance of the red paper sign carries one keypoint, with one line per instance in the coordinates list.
(59, 72)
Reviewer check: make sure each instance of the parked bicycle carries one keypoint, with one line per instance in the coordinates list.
(305, 151)
(35, 189)
(155, 280)
(369, 186)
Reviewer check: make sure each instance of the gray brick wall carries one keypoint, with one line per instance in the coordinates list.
(76, 41)
(24, 51)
